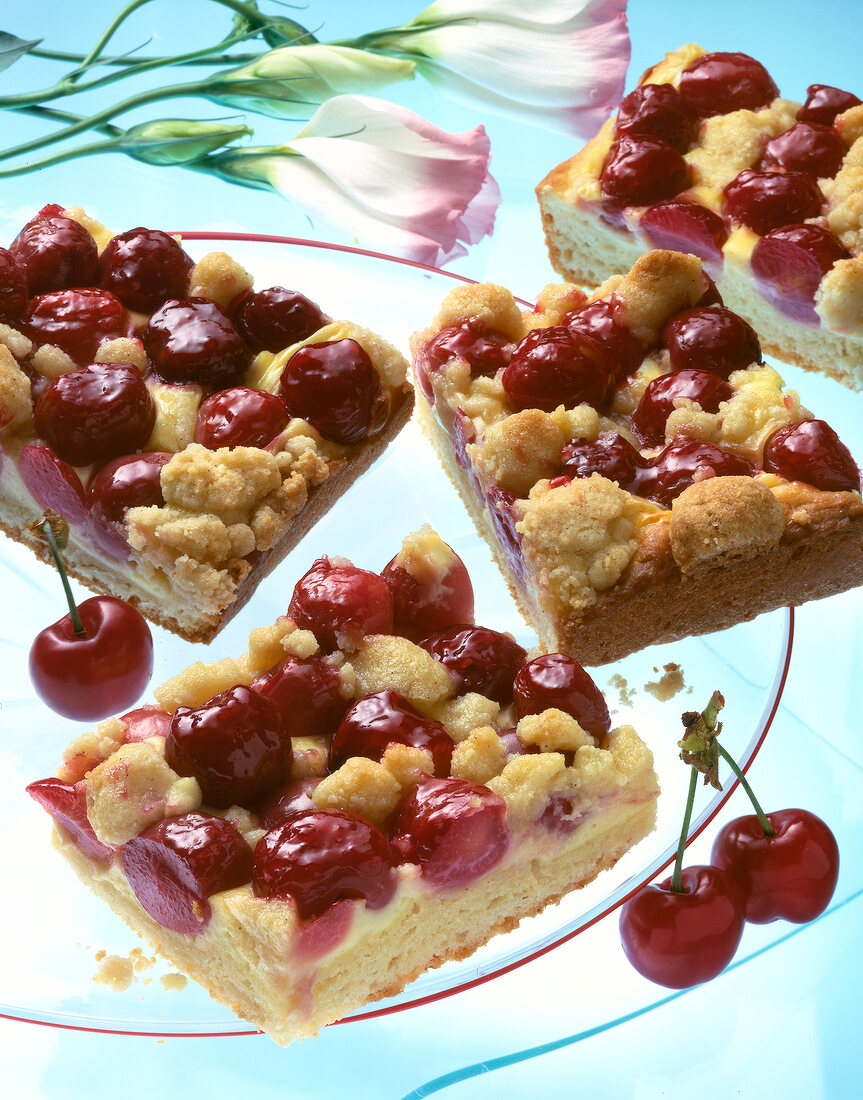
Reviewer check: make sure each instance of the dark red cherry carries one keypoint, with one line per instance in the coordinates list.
(789, 264)
(144, 722)
(95, 413)
(67, 805)
(718, 83)
(175, 865)
(639, 171)
(54, 484)
(711, 295)
(386, 718)
(308, 694)
(483, 660)
(658, 111)
(145, 267)
(335, 387)
(483, 349)
(555, 680)
(275, 318)
(767, 200)
(685, 227)
(130, 481)
(711, 339)
(610, 455)
(77, 321)
(500, 510)
(681, 464)
(558, 366)
(812, 452)
(341, 604)
(601, 321)
(13, 286)
(806, 147)
(56, 252)
(429, 598)
(235, 745)
(824, 103)
(293, 798)
(192, 340)
(453, 829)
(321, 857)
(657, 402)
(240, 417)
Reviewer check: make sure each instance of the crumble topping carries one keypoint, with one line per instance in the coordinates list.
(520, 450)
(19, 344)
(124, 349)
(16, 410)
(200, 682)
(553, 731)
(408, 765)
(310, 757)
(360, 786)
(426, 557)
(220, 278)
(228, 483)
(51, 361)
(465, 713)
(100, 234)
(386, 661)
(90, 749)
(729, 143)
(176, 413)
(480, 757)
(668, 685)
(839, 300)
(658, 285)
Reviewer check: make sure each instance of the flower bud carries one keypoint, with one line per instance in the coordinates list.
(178, 140)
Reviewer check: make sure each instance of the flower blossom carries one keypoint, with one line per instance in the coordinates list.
(394, 181)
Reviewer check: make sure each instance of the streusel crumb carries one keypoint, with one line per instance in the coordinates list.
(553, 731)
(220, 278)
(16, 409)
(360, 786)
(385, 661)
(480, 757)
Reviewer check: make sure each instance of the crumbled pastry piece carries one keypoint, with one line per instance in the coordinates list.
(408, 765)
(426, 557)
(625, 693)
(220, 278)
(19, 344)
(527, 783)
(385, 661)
(269, 644)
(480, 757)
(482, 399)
(228, 483)
(465, 713)
(553, 302)
(672, 65)
(200, 682)
(51, 361)
(517, 452)
(690, 420)
(630, 755)
(729, 143)
(839, 301)
(668, 685)
(360, 786)
(757, 408)
(173, 982)
(493, 305)
(176, 414)
(582, 422)
(116, 972)
(553, 731)
(849, 125)
(310, 757)
(275, 512)
(100, 234)
(658, 285)
(124, 349)
(90, 749)
(16, 410)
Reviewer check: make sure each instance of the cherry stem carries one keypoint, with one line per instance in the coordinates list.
(744, 783)
(677, 873)
(77, 624)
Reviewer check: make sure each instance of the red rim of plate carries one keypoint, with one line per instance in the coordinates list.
(268, 238)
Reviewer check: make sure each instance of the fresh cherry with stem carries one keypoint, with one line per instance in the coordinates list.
(96, 660)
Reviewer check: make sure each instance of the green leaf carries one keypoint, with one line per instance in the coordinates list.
(12, 48)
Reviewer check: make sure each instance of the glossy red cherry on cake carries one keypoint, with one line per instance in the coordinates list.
(341, 604)
(175, 865)
(321, 857)
(335, 387)
(387, 718)
(275, 318)
(95, 413)
(130, 481)
(13, 286)
(54, 484)
(789, 264)
(427, 602)
(824, 103)
(555, 680)
(681, 464)
(483, 660)
(77, 321)
(308, 694)
(558, 366)
(767, 200)
(711, 295)
(240, 417)
(455, 830)
(812, 452)
(610, 455)
(805, 147)
(67, 805)
(56, 252)
(659, 111)
(145, 267)
(706, 389)
(685, 227)
(483, 349)
(718, 83)
(293, 798)
(711, 339)
(235, 745)
(639, 171)
(601, 320)
(144, 722)
(192, 340)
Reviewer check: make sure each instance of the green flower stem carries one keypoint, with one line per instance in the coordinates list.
(677, 873)
(56, 115)
(59, 158)
(744, 783)
(74, 615)
(130, 62)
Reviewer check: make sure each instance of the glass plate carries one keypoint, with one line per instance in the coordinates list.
(54, 931)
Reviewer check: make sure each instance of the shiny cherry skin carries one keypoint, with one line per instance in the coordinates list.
(101, 673)
(824, 103)
(424, 601)
(240, 417)
(235, 745)
(67, 805)
(76, 321)
(341, 604)
(455, 830)
(56, 252)
(658, 111)
(718, 83)
(482, 660)
(275, 318)
(192, 340)
(685, 227)
(601, 320)
(13, 286)
(129, 481)
(54, 484)
(639, 171)
(790, 876)
(558, 366)
(703, 387)
(145, 267)
(789, 264)
(681, 464)
(308, 694)
(765, 200)
(555, 680)
(144, 722)
(293, 798)
(610, 455)
(483, 349)
(386, 718)
(711, 295)
(322, 856)
(175, 865)
(335, 387)
(95, 413)
(681, 939)
(805, 147)
(500, 510)
(812, 452)
(711, 339)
